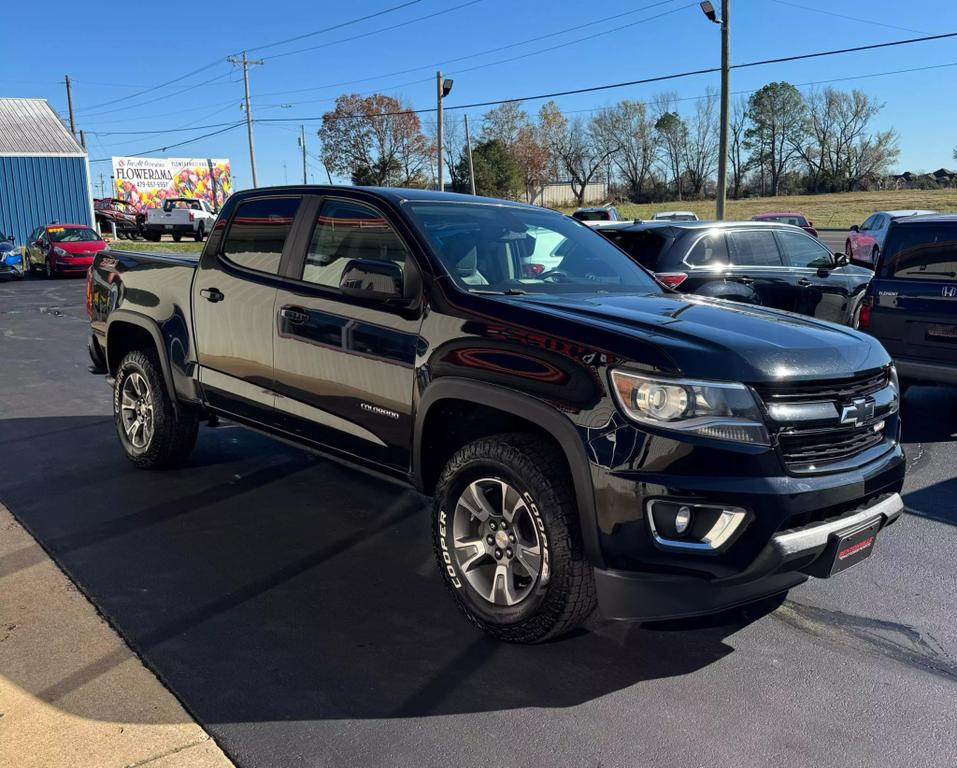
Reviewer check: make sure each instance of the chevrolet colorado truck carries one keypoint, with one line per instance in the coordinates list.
(590, 438)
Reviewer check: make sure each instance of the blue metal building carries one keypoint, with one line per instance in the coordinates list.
(44, 172)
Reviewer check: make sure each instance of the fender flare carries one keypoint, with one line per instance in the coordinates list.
(151, 327)
(558, 426)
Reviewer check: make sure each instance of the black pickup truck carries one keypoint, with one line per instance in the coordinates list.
(589, 437)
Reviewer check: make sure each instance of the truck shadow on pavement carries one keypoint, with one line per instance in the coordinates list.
(262, 583)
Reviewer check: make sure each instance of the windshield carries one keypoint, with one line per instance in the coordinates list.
(493, 248)
(921, 252)
(644, 246)
(782, 218)
(72, 235)
(592, 215)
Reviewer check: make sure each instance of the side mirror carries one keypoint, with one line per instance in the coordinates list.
(372, 280)
(840, 259)
(810, 223)
(855, 228)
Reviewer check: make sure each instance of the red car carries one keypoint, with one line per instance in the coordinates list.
(63, 249)
(797, 219)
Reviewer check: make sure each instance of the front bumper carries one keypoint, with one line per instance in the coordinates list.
(784, 562)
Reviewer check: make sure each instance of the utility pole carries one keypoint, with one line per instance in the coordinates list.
(101, 186)
(82, 139)
(302, 143)
(438, 130)
(69, 104)
(468, 144)
(246, 63)
(722, 191)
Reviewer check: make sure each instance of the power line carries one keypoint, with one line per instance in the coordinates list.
(488, 51)
(178, 144)
(350, 22)
(848, 18)
(158, 98)
(646, 80)
(155, 87)
(374, 31)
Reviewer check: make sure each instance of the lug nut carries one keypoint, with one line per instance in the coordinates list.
(492, 525)
(511, 538)
(490, 539)
(498, 554)
(508, 551)
(504, 526)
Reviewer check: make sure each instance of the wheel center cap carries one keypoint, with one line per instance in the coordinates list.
(501, 539)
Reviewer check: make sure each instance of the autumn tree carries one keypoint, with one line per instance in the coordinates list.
(777, 115)
(375, 140)
(627, 126)
(504, 123)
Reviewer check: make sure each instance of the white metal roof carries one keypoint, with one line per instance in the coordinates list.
(31, 127)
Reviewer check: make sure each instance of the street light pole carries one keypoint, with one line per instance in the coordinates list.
(302, 143)
(722, 190)
(438, 130)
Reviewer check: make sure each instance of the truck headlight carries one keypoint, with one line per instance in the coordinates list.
(719, 410)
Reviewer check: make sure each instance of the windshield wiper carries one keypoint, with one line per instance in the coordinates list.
(506, 292)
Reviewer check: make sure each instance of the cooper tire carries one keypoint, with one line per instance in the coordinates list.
(562, 595)
(172, 428)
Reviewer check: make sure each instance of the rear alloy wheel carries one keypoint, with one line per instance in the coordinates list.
(508, 539)
(154, 431)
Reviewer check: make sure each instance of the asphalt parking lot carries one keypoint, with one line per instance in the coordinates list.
(294, 607)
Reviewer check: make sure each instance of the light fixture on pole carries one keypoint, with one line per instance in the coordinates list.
(722, 189)
(443, 87)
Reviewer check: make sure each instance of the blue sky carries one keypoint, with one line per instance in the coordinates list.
(144, 46)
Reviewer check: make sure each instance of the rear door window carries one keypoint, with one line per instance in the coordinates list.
(921, 252)
(754, 249)
(258, 233)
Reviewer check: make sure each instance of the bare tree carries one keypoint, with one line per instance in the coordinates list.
(575, 147)
(627, 126)
(504, 122)
(701, 143)
(737, 127)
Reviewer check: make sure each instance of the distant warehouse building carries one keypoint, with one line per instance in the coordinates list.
(44, 172)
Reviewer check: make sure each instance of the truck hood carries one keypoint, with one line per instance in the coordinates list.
(714, 339)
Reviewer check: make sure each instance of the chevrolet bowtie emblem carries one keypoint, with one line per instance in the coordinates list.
(858, 412)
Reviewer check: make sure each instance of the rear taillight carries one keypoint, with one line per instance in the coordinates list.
(531, 270)
(671, 279)
(864, 315)
(89, 292)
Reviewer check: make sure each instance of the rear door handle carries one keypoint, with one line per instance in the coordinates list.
(804, 282)
(212, 294)
(294, 315)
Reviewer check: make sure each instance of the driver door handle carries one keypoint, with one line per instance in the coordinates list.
(294, 315)
(212, 294)
(804, 282)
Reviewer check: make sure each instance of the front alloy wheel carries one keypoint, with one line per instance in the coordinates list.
(498, 546)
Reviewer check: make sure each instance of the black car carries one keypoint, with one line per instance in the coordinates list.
(911, 304)
(770, 264)
(589, 437)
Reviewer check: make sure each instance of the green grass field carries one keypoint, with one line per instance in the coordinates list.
(835, 210)
(161, 247)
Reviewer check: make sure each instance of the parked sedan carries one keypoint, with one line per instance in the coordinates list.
(11, 260)
(794, 219)
(774, 265)
(865, 242)
(66, 249)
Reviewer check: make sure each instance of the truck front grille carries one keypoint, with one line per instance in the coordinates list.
(809, 448)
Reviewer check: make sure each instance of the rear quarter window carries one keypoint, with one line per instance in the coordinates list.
(921, 252)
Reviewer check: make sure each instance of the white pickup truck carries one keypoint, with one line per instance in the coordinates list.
(179, 216)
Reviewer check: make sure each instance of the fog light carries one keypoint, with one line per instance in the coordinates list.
(683, 520)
